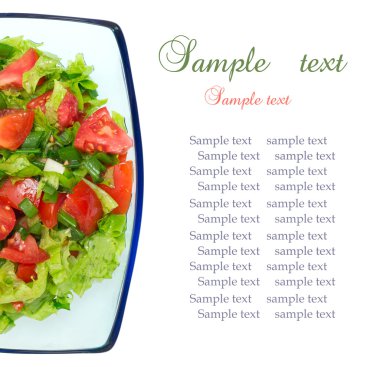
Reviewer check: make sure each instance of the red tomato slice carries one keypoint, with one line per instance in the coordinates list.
(122, 192)
(13, 194)
(85, 207)
(16, 243)
(19, 257)
(11, 75)
(40, 101)
(81, 116)
(23, 251)
(100, 133)
(15, 126)
(18, 306)
(49, 211)
(67, 110)
(7, 220)
(122, 157)
(26, 272)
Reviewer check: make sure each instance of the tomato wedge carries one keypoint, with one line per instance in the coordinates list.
(15, 126)
(18, 306)
(26, 272)
(7, 220)
(40, 101)
(13, 194)
(122, 157)
(23, 251)
(49, 211)
(67, 110)
(22, 258)
(11, 75)
(122, 190)
(85, 207)
(100, 133)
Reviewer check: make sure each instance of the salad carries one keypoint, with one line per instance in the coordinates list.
(65, 182)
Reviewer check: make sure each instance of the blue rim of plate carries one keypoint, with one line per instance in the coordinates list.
(116, 30)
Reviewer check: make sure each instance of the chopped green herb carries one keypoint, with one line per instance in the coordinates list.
(66, 219)
(28, 208)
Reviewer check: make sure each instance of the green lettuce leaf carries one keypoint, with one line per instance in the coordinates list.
(101, 255)
(54, 102)
(56, 244)
(88, 84)
(50, 178)
(41, 123)
(78, 72)
(98, 263)
(47, 65)
(45, 309)
(18, 47)
(6, 51)
(3, 102)
(6, 323)
(18, 165)
(119, 119)
(78, 69)
(77, 79)
(114, 225)
(108, 203)
(13, 289)
(39, 309)
(93, 103)
(13, 98)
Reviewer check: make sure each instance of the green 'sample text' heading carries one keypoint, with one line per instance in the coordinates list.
(179, 54)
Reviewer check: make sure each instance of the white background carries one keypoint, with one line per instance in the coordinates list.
(159, 328)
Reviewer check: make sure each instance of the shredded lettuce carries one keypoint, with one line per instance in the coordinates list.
(54, 102)
(93, 103)
(88, 84)
(47, 65)
(18, 165)
(3, 102)
(108, 203)
(13, 98)
(98, 257)
(56, 244)
(119, 119)
(78, 69)
(114, 225)
(6, 52)
(19, 46)
(50, 178)
(41, 123)
(41, 308)
(101, 256)
(77, 79)
(13, 289)
(6, 323)
(78, 72)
